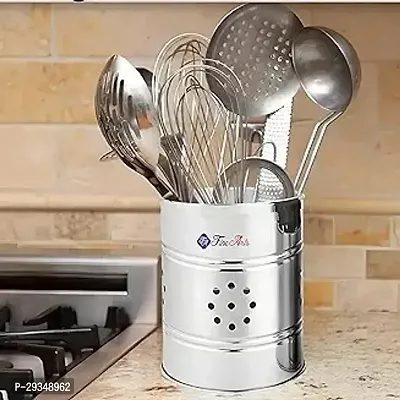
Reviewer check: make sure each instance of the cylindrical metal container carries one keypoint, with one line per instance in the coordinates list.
(232, 294)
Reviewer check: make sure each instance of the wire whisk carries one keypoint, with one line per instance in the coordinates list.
(213, 137)
(181, 50)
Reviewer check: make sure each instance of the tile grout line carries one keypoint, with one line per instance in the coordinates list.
(335, 300)
(52, 32)
(333, 230)
(56, 58)
(392, 233)
(365, 258)
(48, 124)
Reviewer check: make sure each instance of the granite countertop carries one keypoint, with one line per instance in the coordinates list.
(349, 357)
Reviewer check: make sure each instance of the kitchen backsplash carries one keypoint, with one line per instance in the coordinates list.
(54, 192)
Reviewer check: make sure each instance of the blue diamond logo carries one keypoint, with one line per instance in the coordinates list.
(203, 241)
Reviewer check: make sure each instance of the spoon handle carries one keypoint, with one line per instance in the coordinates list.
(156, 182)
(160, 187)
(312, 148)
(151, 177)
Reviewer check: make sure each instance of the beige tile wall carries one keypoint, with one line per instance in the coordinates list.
(356, 257)
(50, 58)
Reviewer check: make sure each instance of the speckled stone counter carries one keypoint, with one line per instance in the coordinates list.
(349, 357)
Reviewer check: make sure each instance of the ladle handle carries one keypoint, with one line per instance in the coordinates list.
(311, 152)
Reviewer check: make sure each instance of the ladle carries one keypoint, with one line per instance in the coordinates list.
(329, 71)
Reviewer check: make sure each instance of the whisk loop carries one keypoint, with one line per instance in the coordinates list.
(181, 50)
(211, 134)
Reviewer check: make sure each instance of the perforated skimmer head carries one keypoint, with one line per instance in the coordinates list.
(253, 168)
(255, 40)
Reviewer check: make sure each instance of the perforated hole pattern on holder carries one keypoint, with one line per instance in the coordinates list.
(231, 323)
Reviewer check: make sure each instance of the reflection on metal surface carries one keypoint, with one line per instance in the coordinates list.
(248, 317)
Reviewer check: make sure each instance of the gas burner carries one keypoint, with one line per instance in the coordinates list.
(8, 380)
(55, 317)
(58, 307)
(55, 348)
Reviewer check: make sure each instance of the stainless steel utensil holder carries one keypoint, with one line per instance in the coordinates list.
(232, 294)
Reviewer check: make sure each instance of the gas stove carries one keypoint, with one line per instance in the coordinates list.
(66, 316)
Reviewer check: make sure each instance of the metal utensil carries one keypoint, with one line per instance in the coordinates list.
(254, 40)
(118, 115)
(256, 145)
(170, 171)
(277, 128)
(330, 73)
(147, 75)
(210, 135)
(181, 50)
(132, 104)
(110, 131)
(254, 167)
(109, 156)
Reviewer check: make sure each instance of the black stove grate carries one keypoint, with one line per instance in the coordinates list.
(62, 335)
